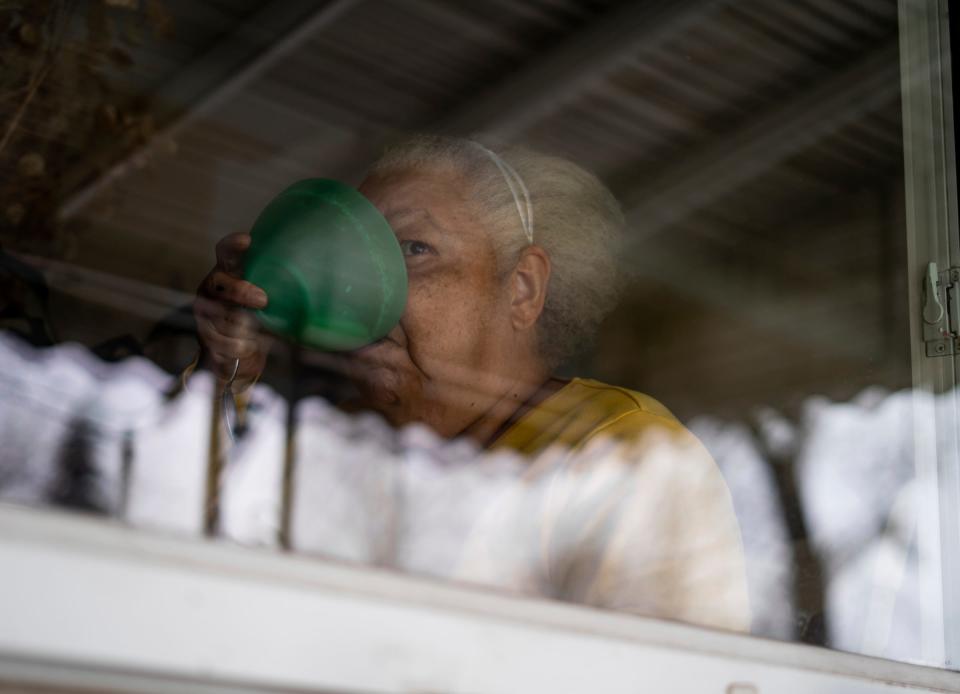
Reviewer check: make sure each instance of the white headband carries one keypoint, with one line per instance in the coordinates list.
(514, 182)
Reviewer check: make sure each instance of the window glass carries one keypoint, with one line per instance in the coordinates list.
(615, 303)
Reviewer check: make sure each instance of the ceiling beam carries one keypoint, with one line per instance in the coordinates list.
(564, 73)
(130, 296)
(231, 64)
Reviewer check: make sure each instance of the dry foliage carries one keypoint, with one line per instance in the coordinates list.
(66, 109)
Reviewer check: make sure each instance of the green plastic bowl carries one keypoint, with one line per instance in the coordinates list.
(330, 264)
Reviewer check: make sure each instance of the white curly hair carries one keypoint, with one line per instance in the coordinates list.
(576, 220)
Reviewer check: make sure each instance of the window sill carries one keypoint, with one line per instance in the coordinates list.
(90, 603)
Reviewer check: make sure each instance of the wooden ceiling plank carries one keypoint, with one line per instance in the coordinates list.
(724, 165)
(561, 75)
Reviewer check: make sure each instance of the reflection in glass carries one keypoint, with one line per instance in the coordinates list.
(756, 151)
(118, 439)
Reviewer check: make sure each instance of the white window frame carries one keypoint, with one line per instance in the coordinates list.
(88, 603)
(933, 236)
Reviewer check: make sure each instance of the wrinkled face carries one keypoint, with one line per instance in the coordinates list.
(438, 366)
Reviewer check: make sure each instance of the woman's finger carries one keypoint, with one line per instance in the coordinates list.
(224, 346)
(230, 250)
(229, 321)
(225, 287)
(223, 366)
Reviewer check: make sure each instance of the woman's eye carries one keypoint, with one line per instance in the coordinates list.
(413, 248)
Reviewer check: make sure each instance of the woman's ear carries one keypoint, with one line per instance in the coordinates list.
(529, 287)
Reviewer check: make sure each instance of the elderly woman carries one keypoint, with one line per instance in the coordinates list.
(512, 263)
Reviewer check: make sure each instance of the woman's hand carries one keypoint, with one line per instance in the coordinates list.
(227, 329)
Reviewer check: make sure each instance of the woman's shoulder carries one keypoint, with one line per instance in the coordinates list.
(617, 400)
(584, 409)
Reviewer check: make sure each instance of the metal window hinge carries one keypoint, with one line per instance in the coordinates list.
(941, 311)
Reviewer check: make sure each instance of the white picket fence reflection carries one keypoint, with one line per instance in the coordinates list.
(111, 438)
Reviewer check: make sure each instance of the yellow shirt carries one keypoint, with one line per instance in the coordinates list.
(581, 411)
(623, 509)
